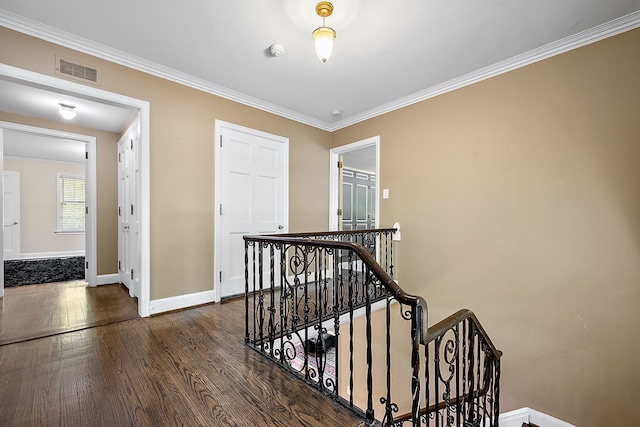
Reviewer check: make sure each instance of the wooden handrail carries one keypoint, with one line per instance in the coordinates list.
(456, 318)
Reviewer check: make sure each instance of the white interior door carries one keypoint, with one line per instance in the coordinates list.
(11, 217)
(123, 217)
(252, 196)
(129, 259)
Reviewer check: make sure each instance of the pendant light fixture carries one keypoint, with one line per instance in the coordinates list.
(323, 36)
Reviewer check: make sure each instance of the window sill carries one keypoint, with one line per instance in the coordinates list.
(69, 232)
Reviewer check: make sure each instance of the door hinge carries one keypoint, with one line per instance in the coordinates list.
(132, 144)
(132, 274)
(86, 265)
(119, 265)
(119, 211)
(220, 208)
(119, 157)
(86, 155)
(220, 276)
(339, 212)
(220, 141)
(339, 164)
(131, 208)
(86, 210)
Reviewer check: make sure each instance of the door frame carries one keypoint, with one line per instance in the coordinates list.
(334, 177)
(90, 244)
(30, 78)
(219, 125)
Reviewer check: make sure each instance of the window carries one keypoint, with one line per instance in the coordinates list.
(71, 204)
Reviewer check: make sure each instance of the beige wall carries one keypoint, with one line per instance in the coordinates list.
(38, 205)
(106, 185)
(519, 198)
(181, 153)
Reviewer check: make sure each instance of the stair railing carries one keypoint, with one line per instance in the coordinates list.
(461, 374)
(322, 308)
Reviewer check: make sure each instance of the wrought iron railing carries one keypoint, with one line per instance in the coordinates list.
(378, 242)
(461, 374)
(328, 310)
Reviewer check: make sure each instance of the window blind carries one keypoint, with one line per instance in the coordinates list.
(72, 203)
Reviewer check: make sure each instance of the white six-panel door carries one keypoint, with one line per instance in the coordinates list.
(129, 260)
(252, 199)
(11, 215)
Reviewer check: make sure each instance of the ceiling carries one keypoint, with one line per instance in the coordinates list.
(387, 54)
(42, 147)
(363, 159)
(22, 98)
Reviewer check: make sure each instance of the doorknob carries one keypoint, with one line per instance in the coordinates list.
(15, 223)
(280, 227)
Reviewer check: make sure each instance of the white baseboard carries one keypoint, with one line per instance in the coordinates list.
(41, 255)
(181, 301)
(528, 415)
(107, 279)
(514, 418)
(545, 420)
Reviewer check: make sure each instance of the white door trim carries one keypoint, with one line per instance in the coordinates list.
(219, 125)
(91, 248)
(334, 177)
(27, 77)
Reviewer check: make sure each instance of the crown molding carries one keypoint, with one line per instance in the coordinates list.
(592, 35)
(53, 35)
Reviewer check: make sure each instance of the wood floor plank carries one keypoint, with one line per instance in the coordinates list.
(183, 368)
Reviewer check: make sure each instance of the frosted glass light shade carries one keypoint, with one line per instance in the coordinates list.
(323, 40)
(67, 111)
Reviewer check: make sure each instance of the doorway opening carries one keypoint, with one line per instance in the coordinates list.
(53, 85)
(45, 231)
(354, 195)
(49, 236)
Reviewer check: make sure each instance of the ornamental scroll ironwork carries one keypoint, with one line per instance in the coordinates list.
(461, 378)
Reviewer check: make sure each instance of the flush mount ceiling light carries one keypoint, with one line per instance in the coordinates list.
(277, 49)
(67, 112)
(323, 36)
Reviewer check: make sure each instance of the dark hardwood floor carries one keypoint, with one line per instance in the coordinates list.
(28, 312)
(188, 368)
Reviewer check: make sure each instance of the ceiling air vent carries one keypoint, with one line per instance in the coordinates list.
(77, 71)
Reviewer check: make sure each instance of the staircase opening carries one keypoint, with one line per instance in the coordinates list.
(325, 308)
